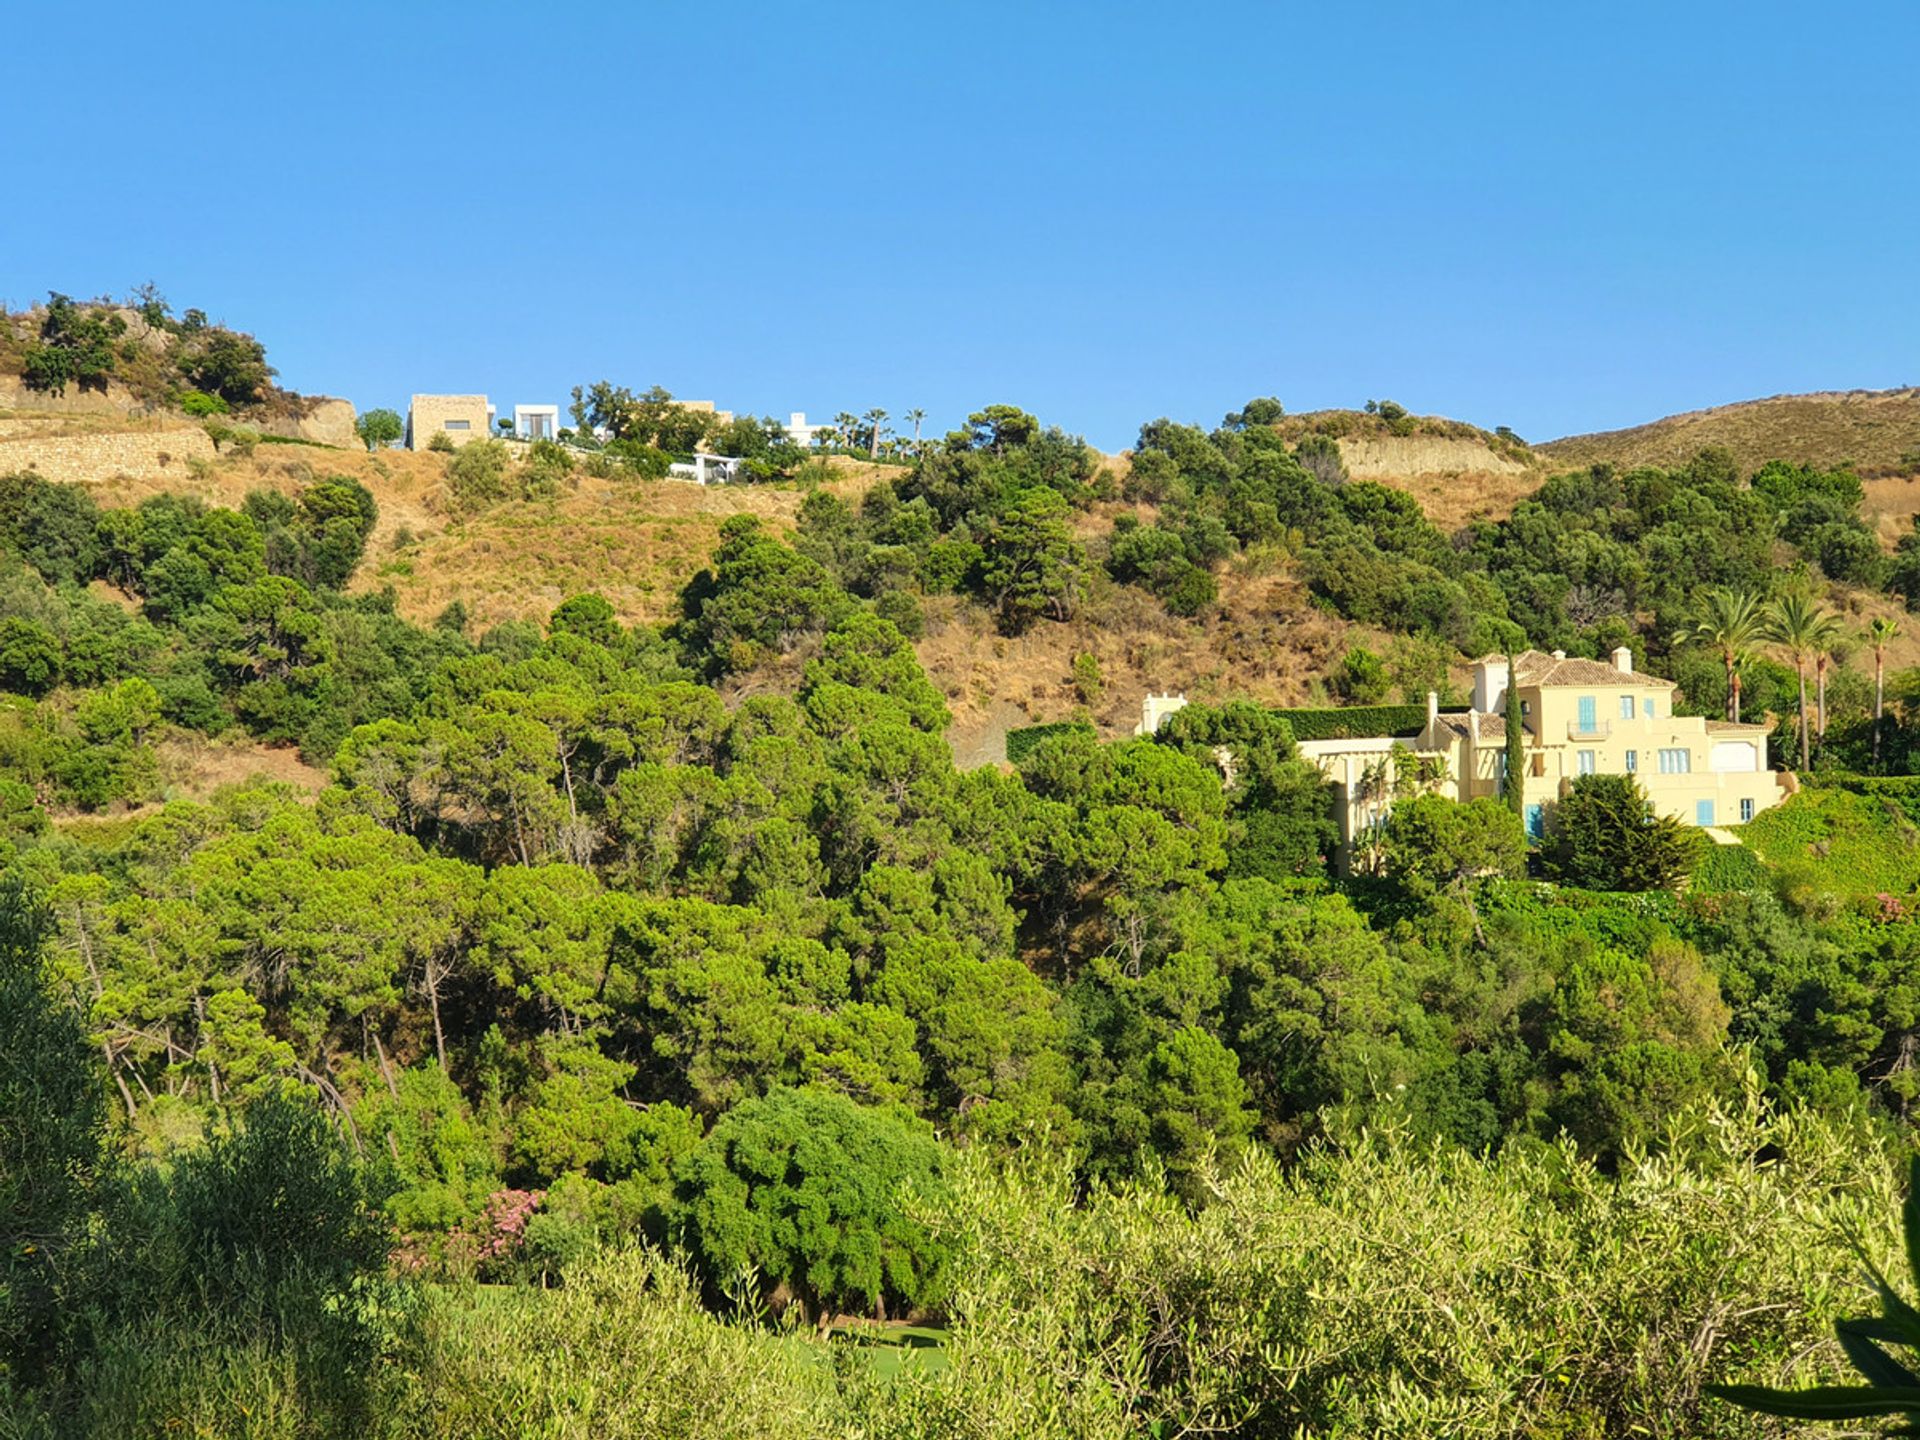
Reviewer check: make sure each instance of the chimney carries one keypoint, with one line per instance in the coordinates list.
(1623, 660)
(1489, 685)
(1559, 654)
(1433, 710)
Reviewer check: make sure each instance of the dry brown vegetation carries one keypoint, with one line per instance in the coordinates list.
(1264, 640)
(1458, 472)
(192, 767)
(637, 543)
(1872, 428)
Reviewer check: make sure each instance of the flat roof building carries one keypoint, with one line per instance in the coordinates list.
(459, 417)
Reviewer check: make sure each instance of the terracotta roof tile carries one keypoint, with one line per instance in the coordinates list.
(1536, 667)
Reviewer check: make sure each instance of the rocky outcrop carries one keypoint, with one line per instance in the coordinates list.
(115, 399)
(329, 422)
(319, 418)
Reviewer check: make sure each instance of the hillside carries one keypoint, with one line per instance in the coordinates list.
(1457, 471)
(1876, 429)
(637, 543)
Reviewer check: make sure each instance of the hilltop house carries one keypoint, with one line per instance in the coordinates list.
(1581, 717)
(459, 417)
(536, 422)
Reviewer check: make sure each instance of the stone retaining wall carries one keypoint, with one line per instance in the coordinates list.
(90, 458)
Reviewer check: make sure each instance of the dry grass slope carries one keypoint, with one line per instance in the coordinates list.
(638, 544)
(1872, 428)
(1458, 472)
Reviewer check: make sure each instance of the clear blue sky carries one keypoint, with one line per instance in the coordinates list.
(1560, 218)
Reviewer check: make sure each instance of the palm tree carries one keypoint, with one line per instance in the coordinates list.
(874, 419)
(1834, 649)
(1732, 622)
(916, 416)
(1878, 634)
(846, 423)
(1804, 630)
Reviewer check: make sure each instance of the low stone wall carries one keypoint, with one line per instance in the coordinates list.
(325, 419)
(89, 458)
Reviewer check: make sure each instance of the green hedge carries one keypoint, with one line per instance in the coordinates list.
(1842, 841)
(1900, 790)
(1021, 742)
(1724, 868)
(1356, 722)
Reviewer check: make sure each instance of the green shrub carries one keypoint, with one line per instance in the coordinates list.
(902, 608)
(29, 657)
(1605, 835)
(379, 427)
(1371, 1290)
(1022, 742)
(1356, 722)
(1851, 841)
(1726, 868)
(199, 403)
(52, 1125)
(478, 475)
(625, 1351)
(1088, 683)
(813, 1195)
(1362, 677)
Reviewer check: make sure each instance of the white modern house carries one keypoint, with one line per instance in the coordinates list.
(800, 432)
(536, 422)
(707, 469)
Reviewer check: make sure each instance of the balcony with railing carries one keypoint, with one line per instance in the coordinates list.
(1589, 729)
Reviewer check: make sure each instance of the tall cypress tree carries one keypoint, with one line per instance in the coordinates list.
(1516, 742)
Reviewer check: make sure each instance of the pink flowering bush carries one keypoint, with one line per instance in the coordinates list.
(503, 1229)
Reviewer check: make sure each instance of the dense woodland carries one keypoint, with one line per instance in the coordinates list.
(610, 996)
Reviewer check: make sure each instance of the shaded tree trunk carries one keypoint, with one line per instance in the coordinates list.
(1800, 670)
(1879, 700)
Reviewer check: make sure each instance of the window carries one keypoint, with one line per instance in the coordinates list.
(1626, 707)
(1589, 715)
(1536, 822)
(1746, 811)
(1703, 812)
(458, 424)
(1676, 762)
(1649, 709)
(1586, 762)
(1633, 762)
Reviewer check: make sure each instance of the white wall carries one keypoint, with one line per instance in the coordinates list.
(1730, 756)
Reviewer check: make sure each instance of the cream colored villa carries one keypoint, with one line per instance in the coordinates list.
(1582, 717)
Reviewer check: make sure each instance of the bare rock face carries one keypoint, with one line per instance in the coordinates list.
(330, 422)
(1376, 457)
(113, 400)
